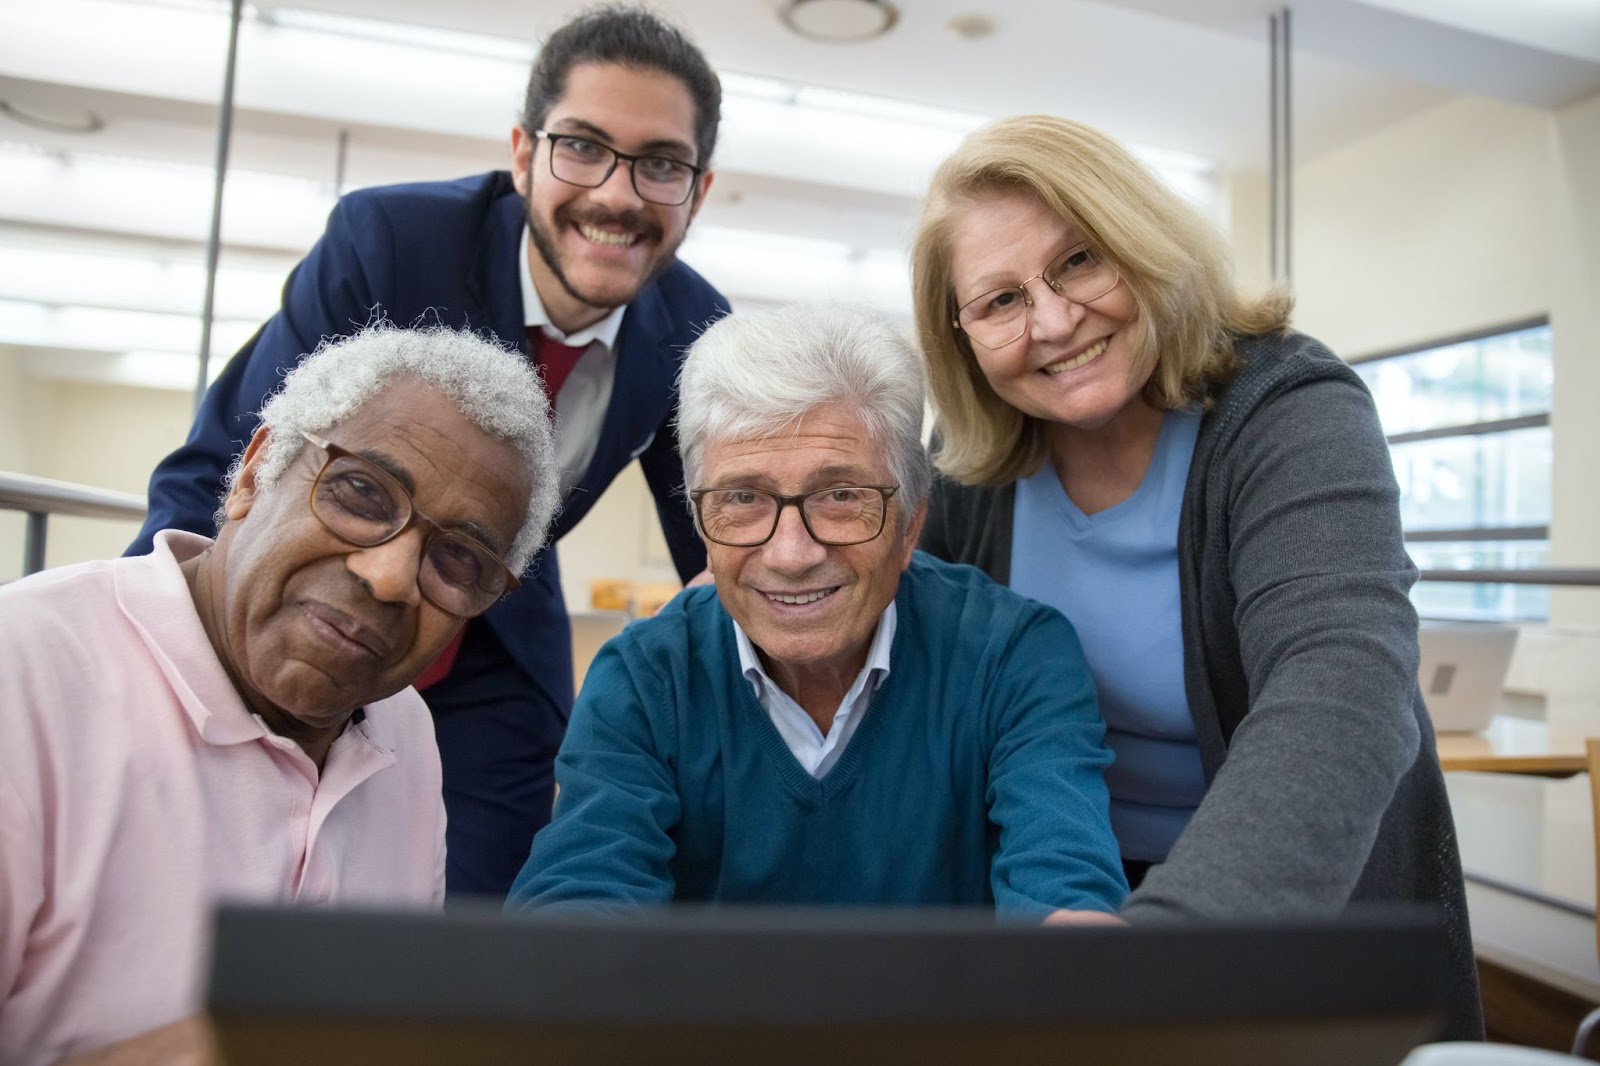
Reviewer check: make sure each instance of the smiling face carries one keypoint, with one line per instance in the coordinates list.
(593, 249)
(811, 609)
(1075, 364)
(310, 627)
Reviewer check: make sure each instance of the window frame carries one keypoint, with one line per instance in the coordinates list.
(1488, 427)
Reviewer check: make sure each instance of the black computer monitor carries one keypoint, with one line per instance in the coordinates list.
(817, 988)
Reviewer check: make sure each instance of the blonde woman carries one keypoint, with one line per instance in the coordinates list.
(1208, 497)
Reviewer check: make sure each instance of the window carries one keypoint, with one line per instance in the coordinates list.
(1468, 422)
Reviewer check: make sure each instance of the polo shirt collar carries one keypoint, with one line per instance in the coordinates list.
(154, 596)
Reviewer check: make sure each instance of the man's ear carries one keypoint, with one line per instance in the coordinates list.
(243, 494)
(914, 533)
(522, 146)
(701, 192)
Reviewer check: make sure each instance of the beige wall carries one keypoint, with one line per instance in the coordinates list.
(1575, 320)
(1470, 215)
(106, 436)
(1250, 229)
(619, 538)
(1438, 224)
(13, 456)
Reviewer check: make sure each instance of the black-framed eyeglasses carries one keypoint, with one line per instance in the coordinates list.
(658, 179)
(1000, 316)
(362, 504)
(838, 516)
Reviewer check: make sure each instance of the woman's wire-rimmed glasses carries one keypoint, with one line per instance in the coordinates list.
(837, 516)
(1000, 316)
(362, 504)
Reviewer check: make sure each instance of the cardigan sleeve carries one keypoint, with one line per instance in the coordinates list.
(1327, 642)
(609, 842)
(1047, 794)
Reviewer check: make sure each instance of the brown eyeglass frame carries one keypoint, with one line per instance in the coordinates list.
(332, 452)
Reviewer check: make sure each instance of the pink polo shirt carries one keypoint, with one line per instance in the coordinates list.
(136, 791)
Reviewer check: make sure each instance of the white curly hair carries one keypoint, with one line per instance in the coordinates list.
(495, 388)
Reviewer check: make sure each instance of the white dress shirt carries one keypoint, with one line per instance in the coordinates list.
(812, 750)
(586, 394)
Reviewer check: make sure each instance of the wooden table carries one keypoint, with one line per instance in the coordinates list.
(1515, 746)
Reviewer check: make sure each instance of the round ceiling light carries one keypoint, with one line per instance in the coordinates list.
(839, 20)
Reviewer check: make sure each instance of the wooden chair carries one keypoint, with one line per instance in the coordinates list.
(1587, 1043)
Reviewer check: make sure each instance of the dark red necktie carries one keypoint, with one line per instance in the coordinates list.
(555, 359)
(440, 668)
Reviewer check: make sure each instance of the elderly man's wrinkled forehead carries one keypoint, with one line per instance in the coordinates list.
(823, 440)
(413, 431)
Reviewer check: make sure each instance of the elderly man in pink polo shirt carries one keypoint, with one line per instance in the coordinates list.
(232, 719)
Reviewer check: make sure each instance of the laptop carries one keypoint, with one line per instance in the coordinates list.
(1463, 672)
(802, 987)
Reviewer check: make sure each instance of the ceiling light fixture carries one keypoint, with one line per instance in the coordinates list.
(839, 21)
(971, 27)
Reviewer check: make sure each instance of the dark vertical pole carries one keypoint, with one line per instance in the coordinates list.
(341, 158)
(1280, 145)
(1272, 144)
(1288, 154)
(214, 238)
(33, 543)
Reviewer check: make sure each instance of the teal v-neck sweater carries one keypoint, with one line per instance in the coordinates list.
(975, 777)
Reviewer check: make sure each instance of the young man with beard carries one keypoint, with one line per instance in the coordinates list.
(571, 254)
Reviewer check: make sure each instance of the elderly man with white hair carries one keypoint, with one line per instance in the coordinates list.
(841, 719)
(231, 719)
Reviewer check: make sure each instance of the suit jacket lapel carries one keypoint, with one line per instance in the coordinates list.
(641, 397)
(646, 369)
(496, 278)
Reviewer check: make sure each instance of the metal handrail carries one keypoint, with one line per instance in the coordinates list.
(1532, 575)
(41, 497)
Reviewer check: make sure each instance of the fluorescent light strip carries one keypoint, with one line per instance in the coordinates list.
(160, 198)
(134, 282)
(854, 103)
(756, 87)
(1170, 163)
(28, 323)
(401, 33)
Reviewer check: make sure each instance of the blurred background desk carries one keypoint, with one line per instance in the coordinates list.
(1525, 818)
(1515, 746)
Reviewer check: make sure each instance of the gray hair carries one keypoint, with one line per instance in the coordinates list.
(752, 375)
(494, 388)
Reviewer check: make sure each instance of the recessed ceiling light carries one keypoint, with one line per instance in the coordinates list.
(839, 20)
(971, 27)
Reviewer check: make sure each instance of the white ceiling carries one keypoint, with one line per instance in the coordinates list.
(1187, 76)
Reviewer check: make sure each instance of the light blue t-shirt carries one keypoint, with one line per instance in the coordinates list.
(1115, 576)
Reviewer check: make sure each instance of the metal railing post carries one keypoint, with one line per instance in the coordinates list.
(33, 544)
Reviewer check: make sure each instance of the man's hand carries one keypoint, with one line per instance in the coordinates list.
(186, 1042)
(1069, 917)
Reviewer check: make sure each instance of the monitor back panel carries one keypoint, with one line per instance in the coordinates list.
(837, 987)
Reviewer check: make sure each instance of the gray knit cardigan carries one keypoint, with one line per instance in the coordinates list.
(1300, 661)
